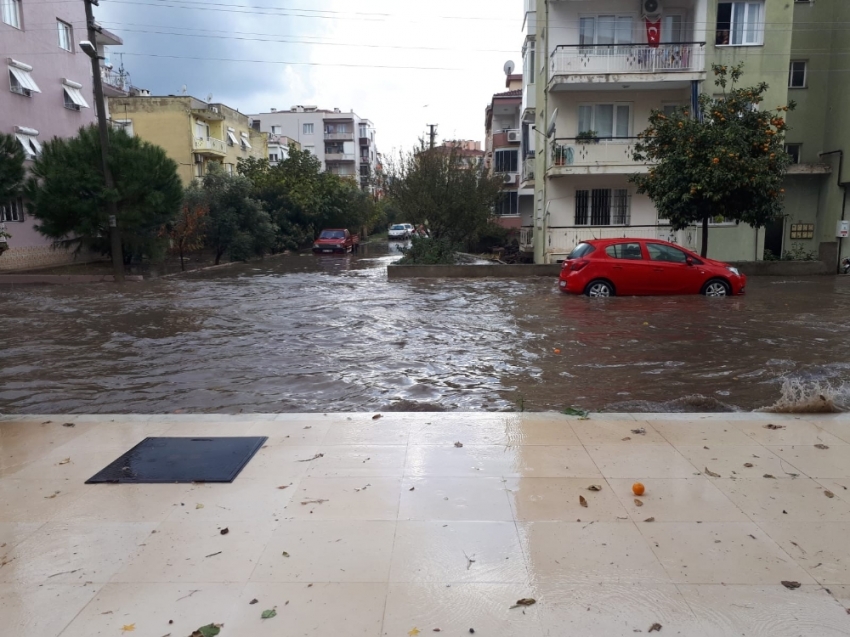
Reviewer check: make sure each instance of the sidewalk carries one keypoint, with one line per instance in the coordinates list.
(396, 531)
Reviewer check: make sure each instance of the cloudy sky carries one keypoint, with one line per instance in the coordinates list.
(257, 54)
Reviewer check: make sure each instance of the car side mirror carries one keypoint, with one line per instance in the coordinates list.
(689, 261)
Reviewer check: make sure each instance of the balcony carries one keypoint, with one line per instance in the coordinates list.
(571, 156)
(339, 137)
(209, 146)
(115, 83)
(339, 156)
(507, 137)
(527, 172)
(364, 140)
(526, 239)
(585, 66)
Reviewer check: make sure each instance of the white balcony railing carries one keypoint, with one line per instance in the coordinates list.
(340, 136)
(628, 58)
(116, 79)
(339, 156)
(528, 169)
(603, 152)
(526, 238)
(561, 240)
(210, 144)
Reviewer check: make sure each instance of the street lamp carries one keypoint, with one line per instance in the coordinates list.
(88, 47)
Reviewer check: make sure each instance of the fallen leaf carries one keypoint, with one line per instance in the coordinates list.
(376, 416)
(66, 424)
(316, 457)
(214, 554)
(641, 431)
(285, 554)
(829, 494)
(772, 426)
(254, 601)
(65, 461)
(199, 506)
(790, 585)
(627, 438)
(821, 446)
(413, 631)
(767, 475)
(638, 503)
(582, 501)
(594, 487)
(711, 473)
(225, 531)
(525, 601)
(649, 520)
(655, 628)
(314, 502)
(411, 488)
(286, 486)
(268, 614)
(458, 444)
(128, 628)
(577, 411)
(50, 497)
(210, 630)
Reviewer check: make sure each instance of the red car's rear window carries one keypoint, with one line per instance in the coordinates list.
(581, 250)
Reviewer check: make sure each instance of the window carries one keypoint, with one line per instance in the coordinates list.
(310, 149)
(273, 157)
(29, 142)
(364, 131)
(12, 210)
(797, 74)
(580, 250)
(602, 207)
(507, 161)
(508, 205)
(246, 145)
(20, 80)
(74, 99)
(231, 138)
(605, 30)
(66, 36)
(624, 251)
(607, 120)
(671, 29)
(275, 130)
(10, 10)
(307, 129)
(228, 168)
(795, 150)
(123, 124)
(670, 109)
(529, 56)
(661, 252)
(739, 23)
(202, 130)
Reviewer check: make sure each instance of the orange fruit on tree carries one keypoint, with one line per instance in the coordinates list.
(638, 488)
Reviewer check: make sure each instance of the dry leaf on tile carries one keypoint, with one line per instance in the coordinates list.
(225, 531)
(50, 497)
(640, 432)
(67, 424)
(210, 630)
(268, 614)
(828, 494)
(772, 426)
(655, 628)
(285, 554)
(128, 628)
(286, 486)
(649, 520)
(413, 631)
(638, 503)
(320, 501)
(748, 465)
(767, 475)
(627, 438)
(594, 487)
(376, 416)
(254, 601)
(790, 585)
(316, 457)
(821, 446)
(199, 506)
(582, 501)
(65, 461)
(525, 601)
(708, 472)
(458, 444)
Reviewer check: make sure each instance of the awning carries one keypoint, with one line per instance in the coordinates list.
(232, 138)
(30, 144)
(75, 96)
(24, 79)
(245, 141)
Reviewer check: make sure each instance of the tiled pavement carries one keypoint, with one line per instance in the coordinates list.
(396, 530)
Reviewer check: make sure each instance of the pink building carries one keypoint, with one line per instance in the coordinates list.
(48, 93)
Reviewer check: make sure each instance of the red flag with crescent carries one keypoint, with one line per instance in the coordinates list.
(653, 32)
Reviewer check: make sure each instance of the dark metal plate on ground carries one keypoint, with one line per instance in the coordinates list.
(156, 460)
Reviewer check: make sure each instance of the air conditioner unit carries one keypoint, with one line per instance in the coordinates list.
(511, 178)
(650, 7)
(514, 136)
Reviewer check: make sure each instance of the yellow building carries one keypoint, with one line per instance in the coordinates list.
(194, 133)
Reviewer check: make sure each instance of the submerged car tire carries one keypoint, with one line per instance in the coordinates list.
(717, 288)
(599, 289)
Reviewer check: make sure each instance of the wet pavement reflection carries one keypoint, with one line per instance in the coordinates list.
(330, 333)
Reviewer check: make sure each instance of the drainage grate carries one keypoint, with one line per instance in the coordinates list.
(182, 460)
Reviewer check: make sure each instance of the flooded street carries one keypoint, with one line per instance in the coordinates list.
(306, 334)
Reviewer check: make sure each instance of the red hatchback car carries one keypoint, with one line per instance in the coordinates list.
(605, 267)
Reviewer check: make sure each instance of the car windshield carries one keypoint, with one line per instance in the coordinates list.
(581, 250)
(332, 234)
(398, 227)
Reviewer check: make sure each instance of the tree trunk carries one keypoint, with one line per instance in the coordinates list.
(218, 256)
(182, 265)
(704, 249)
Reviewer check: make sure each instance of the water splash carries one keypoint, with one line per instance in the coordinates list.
(806, 396)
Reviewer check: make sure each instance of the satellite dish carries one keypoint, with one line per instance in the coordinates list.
(183, 90)
(509, 67)
(550, 130)
(209, 97)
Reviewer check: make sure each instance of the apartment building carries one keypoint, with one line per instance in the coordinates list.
(194, 133)
(279, 148)
(48, 93)
(503, 153)
(599, 70)
(343, 141)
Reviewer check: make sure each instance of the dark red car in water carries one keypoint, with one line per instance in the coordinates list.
(625, 267)
(336, 240)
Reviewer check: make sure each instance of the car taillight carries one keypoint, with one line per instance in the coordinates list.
(578, 265)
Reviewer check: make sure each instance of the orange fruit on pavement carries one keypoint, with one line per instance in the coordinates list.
(557, 351)
(638, 488)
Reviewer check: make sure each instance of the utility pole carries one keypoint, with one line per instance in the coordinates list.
(114, 235)
(433, 134)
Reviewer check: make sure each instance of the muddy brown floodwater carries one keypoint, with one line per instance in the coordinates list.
(305, 333)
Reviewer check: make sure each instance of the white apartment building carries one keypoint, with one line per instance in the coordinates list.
(343, 141)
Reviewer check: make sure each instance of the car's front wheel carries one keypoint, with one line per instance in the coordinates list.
(717, 288)
(599, 289)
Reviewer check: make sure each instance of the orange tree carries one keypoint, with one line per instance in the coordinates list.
(728, 162)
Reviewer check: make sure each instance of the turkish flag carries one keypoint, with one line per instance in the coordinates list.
(653, 32)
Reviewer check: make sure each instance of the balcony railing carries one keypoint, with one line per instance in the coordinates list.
(526, 238)
(347, 137)
(528, 169)
(209, 144)
(116, 80)
(578, 152)
(339, 156)
(627, 58)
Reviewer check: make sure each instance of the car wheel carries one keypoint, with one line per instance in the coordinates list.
(599, 289)
(717, 288)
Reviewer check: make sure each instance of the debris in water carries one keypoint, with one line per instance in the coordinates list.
(50, 497)
(708, 472)
(199, 506)
(790, 585)
(316, 457)
(821, 446)
(525, 601)
(627, 438)
(469, 560)
(582, 501)
(594, 487)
